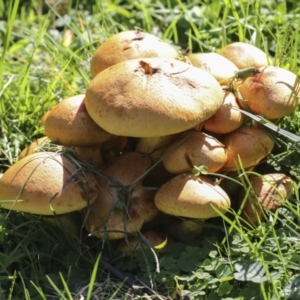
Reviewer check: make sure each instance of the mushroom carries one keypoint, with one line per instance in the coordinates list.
(245, 55)
(123, 205)
(272, 93)
(246, 147)
(127, 45)
(34, 146)
(188, 195)
(226, 119)
(194, 148)
(152, 98)
(216, 64)
(46, 183)
(267, 192)
(69, 124)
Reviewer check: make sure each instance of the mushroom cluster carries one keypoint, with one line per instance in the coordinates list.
(128, 147)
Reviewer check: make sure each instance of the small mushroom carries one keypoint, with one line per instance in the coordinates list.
(69, 124)
(246, 147)
(123, 205)
(245, 55)
(267, 192)
(194, 148)
(227, 118)
(272, 93)
(35, 146)
(191, 196)
(216, 64)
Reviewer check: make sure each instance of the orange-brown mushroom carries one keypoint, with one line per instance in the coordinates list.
(267, 192)
(46, 183)
(123, 205)
(129, 44)
(69, 124)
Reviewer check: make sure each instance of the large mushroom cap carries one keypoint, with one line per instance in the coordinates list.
(152, 97)
(46, 182)
(127, 45)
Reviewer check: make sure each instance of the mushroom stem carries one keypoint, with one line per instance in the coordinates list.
(152, 145)
(91, 155)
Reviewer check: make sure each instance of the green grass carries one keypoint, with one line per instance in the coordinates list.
(38, 68)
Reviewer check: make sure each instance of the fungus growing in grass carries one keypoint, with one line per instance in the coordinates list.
(152, 98)
(191, 196)
(46, 183)
(226, 119)
(123, 205)
(267, 192)
(245, 55)
(34, 146)
(216, 64)
(273, 93)
(197, 149)
(69, 124)
(128, 45)
(246, 147)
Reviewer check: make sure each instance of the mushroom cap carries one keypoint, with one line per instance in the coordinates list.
(152, 97)
(245, 55)
(251, 144)
(69, 124)
(34, 146)
(216, 64)
(268, 192)
(46, 182)
(272, 93)
(194, 148)
(226, 119)
(191, 196)
(127, 45)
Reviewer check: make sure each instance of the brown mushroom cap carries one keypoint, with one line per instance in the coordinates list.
(191, 196)
(249, 144)
(34, 146)
(127, 45)
(152, 97)
(69, 124)
(194, 148)
(216, 64)
(46, 182)
(245, 55)
(268, 192)
(226, 119)
(272, 93)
